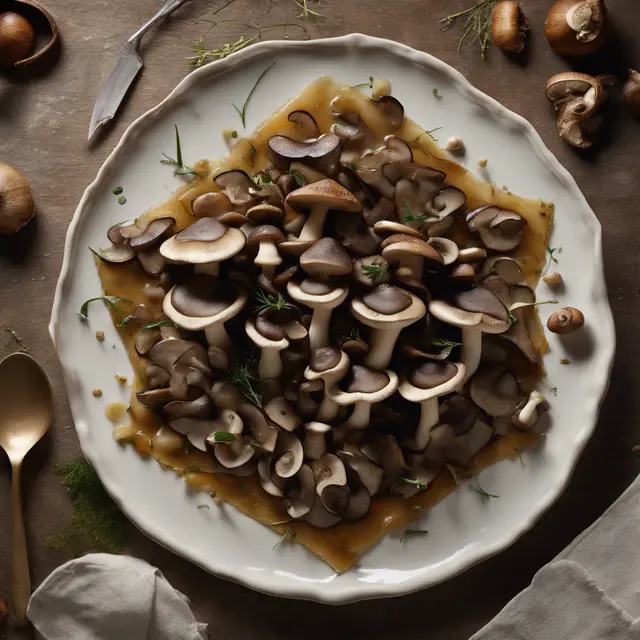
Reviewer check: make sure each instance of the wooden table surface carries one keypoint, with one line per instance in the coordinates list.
(43, 126)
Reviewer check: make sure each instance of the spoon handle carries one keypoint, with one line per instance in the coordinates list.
(20, 579)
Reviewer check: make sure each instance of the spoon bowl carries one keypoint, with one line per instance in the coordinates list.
(26, 411)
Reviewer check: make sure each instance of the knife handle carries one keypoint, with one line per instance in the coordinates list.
(169, 7)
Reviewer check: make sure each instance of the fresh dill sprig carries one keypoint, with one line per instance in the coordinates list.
(308, 13)
(412, 532)
(297, 176)
(110, 301)
(478, 489)
(413, 218)
(376, 272)
(247, 383)
(242, 111)
(448, 346)
(267, 301)
(204, 55)
(179, 168)
(288, 532)
(477, 27)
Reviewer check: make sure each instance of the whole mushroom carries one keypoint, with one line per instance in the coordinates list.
(330, 365)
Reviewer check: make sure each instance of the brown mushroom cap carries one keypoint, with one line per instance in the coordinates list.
(387, 300)
(386, 228)
(326, 258)
(210, 205)
(202, 296)
(324, 358)
(264, 233)
(477, 307)
(315, 288)
(397, 246)
(325, 192)
(432, 374)
(364, 380)
(287, 148)
(152, 233)
(264, 213)
(499, 229)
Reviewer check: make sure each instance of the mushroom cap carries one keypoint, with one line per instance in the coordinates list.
(264, 213)
(324, 359)
(494, 390)
(306, 122)
(387, 299)
(368, 278)
(153, 231)
(332, 299)
(329, 470)
(371, 318)
(503, 266)
(477, 307)
(499, 229)
(397, 246)
(192, 307)
(326, 257)
(281, 412)
(237, 186)
(392, 109)
(210, 205)
(334, 372)
(582, 87)
(261, 341)
(206, 240)
(233, 219)
(303, 496)
(389, 227)
(295, 247)
(288, 455)
(324, 192)
(447, 249)
(285, 147)
(432, 379)
(264, 233)
(367, 379)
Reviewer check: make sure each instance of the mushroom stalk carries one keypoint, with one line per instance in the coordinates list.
(269, 258)
(270, 365)
(312, 229)
(383, 342)
(360, 417)
(471, 351)
(217, 336)
(429, 418)
(208, 269)
(319, 328)
(328, 409)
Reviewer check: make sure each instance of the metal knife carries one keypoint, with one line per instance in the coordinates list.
(127, 68)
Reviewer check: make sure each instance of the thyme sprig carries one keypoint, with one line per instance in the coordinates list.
(287, 532)
(364, 84)
(448, 346)
(223, 436)
(179, 167)
(477, 26)
(376, 272)
(426, 132)
(110, 301)
(267, 301)
(242, 111)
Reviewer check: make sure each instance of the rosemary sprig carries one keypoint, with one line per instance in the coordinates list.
(203, 506)
(288, 532)
(179, 168)
(448, 346)
(223, 436)
(204, 55)
(110, 301)
(412, 218)
(376, 272)
(477, 27)
(417, 482)
(297, 176)
(242, 112)
(478, 489)
(307, 13)
(267, 301)
(552, 258)
(412, 532)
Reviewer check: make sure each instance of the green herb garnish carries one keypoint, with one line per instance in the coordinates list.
(97, 523)
(267, 301)
(223, 436)
(429, 132)
(307, 13)
(203, 55)
(512, 319)
(248, 384)
(412, 218)
(552, 257)
(117, 191)
(160, 323)
(192, 468)
(179, 168)
(436, 93)
(412, 532)
(376, 272)
(519, 450)
(288, 532)
(122, 200)
(252, 153)
(110, 301)
(448, 346)
(297, 176)
(364, 84)
(477, 27)
(262, 179)
(203, 506)
(481, 491)
(417, 482)
(242, 112)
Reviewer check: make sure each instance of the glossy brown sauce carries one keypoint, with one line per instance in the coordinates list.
(341, 545)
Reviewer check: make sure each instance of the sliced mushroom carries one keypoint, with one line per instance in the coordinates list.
(369, 166)
(305, 122)
(464, 447)
(237, 187)
(499, 229)
(264, 433)
(284, 149)
(288, 455)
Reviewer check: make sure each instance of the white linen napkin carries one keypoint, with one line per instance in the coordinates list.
(591, 591)
(107, 597)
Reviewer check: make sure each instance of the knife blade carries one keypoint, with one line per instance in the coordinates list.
(127, 68)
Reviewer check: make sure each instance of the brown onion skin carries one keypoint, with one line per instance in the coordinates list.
(562, 37)
(17, 38)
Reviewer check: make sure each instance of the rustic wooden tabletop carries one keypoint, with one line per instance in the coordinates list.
(44, 118)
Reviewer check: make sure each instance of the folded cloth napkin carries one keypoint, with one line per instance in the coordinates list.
(591, 591)
(107, 597)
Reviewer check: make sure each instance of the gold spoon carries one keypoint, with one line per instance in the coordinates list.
(26, 410)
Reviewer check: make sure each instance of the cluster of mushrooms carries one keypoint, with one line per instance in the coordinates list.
(335, 266)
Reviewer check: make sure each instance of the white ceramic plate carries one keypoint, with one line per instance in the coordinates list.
(464, 528)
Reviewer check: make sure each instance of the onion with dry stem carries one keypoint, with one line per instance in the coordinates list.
(17, 38)
(576, 27)
(16, 202)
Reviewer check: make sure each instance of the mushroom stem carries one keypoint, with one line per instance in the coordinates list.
(269, 258)
(471, 351)
(319, 328)
(270, 363)
(328, 409)
(217, 336)
(208, 269)
(359, 419)
(314, 225)
(415, 264)
(429, 418)
(382, 343)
